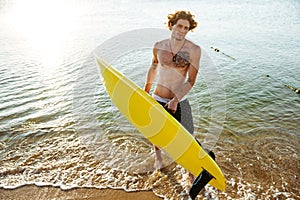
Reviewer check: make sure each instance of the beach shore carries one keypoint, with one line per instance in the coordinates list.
(32, 192)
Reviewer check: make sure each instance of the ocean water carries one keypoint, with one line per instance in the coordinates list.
(58, 126)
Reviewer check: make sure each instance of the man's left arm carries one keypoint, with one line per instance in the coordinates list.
(192, 74)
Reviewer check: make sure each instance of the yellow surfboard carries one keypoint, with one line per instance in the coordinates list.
(157, 125)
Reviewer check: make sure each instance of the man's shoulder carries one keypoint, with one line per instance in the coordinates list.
(193, 45)
(193, 48)
(161, 43)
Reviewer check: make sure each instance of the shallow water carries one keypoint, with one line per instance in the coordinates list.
(58, 126)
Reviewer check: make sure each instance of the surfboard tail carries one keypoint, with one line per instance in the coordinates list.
(200, 183)
(202, 179)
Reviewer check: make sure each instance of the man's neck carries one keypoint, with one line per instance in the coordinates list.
(177, 43)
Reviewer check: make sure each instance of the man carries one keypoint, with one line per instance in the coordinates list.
(175, 65)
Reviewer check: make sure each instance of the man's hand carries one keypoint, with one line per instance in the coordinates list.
(172, 105)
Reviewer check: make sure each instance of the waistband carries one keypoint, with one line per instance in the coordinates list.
(165, 100)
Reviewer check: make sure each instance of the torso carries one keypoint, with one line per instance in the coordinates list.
(171, 75)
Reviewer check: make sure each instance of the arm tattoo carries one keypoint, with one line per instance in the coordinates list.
(154, 63)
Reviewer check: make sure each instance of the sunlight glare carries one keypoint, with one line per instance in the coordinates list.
(45, 26)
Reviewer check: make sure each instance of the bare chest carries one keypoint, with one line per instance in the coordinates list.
(180, 60)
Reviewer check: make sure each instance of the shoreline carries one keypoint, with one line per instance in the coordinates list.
(32, 192)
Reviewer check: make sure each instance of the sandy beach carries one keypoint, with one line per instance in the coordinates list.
(33, 192)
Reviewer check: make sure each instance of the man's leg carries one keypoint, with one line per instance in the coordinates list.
(188, 124)
(186, 116)
(158, 158)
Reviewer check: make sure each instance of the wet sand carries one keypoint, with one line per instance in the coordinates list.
(32, 192)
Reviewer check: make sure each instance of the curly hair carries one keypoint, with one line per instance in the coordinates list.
(173, 18)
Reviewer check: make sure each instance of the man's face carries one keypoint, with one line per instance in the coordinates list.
(180, 29)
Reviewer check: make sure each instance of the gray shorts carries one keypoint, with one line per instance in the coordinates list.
(186, 116)
(183, 114)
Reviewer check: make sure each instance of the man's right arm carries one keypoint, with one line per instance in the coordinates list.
(151, 72)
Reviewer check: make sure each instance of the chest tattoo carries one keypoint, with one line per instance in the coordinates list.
(182, 59)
